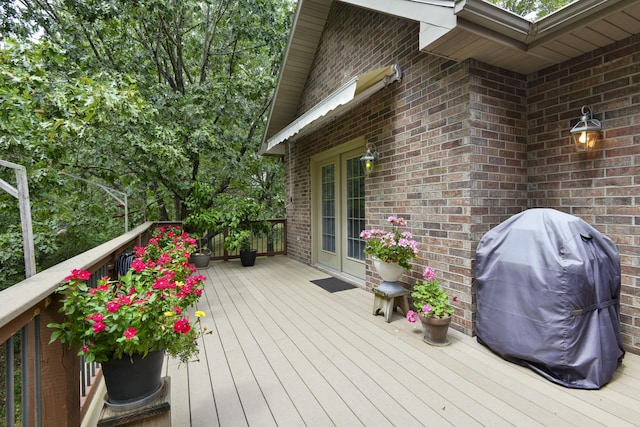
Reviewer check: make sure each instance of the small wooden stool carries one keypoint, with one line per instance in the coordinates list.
(156, 412)
(387, 302)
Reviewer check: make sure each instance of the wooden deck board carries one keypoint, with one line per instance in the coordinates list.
(285, 352)
(268, 335)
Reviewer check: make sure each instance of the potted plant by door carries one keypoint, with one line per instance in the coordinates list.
(392, 251)
(433, 308)
(138, 317)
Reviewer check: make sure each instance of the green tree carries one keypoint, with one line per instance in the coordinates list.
(156, 98)
(46, 115)
(539, 8)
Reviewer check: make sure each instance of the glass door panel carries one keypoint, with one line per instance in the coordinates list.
(353, 215)
(329, 208)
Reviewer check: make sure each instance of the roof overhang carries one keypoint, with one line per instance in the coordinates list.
(483, 31)
(337, 103)
(459, 30)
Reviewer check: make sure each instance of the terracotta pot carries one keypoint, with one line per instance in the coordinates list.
(133, 379)
(389, 271)
(435, 329)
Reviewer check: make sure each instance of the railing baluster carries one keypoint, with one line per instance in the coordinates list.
(10, 384)
(84, 382)
(24, 362)
(37, 372)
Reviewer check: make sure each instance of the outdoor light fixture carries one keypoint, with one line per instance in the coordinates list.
(586, 132)
(369, 158)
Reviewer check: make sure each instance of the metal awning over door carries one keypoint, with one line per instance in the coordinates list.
(337, 103)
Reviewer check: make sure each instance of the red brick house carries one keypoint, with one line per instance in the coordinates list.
(470, 108)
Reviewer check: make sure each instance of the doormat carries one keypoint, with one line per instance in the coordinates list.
(331, 284)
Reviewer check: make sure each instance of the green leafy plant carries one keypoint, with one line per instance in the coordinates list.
(392, 246)
(144, 310)
(429, 298)
(242, 217)
(238, 239)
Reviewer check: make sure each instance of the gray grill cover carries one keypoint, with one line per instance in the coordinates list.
(548, 289)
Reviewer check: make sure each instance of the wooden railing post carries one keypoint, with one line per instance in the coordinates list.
(60, 375)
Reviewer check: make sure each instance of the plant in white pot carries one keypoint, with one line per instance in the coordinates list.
(392, 251)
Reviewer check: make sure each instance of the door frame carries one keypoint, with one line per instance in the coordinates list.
(317, 162)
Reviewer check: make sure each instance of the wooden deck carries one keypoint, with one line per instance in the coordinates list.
(285, 352)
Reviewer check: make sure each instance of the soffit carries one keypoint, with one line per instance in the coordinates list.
(489, 34)
(309, 21)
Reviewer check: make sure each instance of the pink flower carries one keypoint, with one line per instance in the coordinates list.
(138, 265)
(78, 274)
(412, 316)
(112, 306)
(85, 348)
(130, 333)
(99, 327)
(124, 299)
(164, 259)
(429, 274)
(426, 308)
(397, 221)
(182, 326)
(161, 283)
(96, 317)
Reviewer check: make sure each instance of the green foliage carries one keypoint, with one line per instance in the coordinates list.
(142, 311)
(429, 298)
(541, 8)
(165, 101)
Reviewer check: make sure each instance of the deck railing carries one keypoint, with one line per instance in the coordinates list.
(272, 242)
(56, 388)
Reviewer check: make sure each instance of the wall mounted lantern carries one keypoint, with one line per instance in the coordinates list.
(586, 132)
(369, 158)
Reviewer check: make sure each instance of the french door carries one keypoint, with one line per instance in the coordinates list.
(338, 210)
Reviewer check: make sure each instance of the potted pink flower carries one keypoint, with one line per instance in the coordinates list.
(433, 308)
(391, 251)
(141, 314)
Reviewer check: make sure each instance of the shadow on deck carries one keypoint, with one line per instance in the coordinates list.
(285, 352)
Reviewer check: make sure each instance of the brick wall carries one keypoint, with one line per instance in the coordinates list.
(464, 146)
(498, 118)
(420, 126)
(603, 189)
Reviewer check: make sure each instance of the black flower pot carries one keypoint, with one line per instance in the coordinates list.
(248, 258)
(132, 379)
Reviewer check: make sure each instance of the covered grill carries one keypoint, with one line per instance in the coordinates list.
(548, 289)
